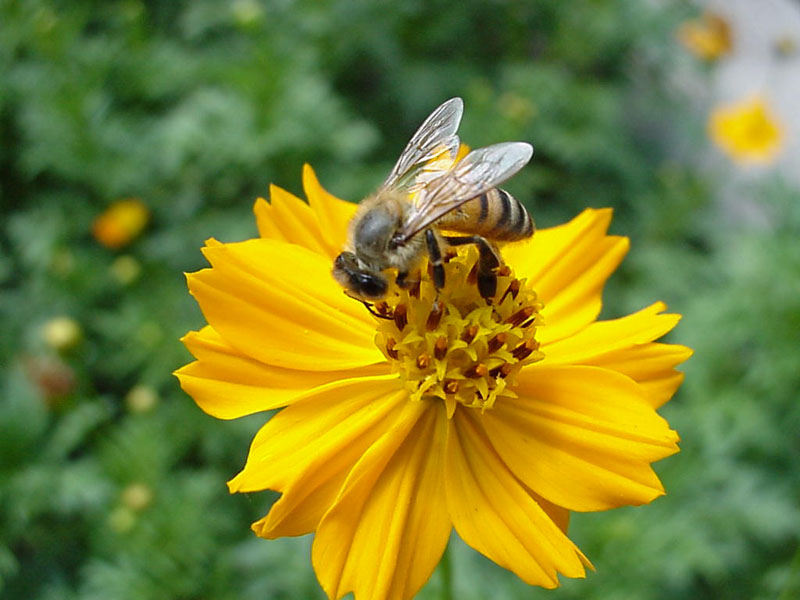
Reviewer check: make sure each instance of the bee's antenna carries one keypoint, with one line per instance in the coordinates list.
(374, 312)
(367, 305)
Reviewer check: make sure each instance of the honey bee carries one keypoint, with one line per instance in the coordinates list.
(427, 193)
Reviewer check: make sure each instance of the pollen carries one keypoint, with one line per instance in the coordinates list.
(454, 346)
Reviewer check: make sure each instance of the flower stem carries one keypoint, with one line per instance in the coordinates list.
(446, 575)
(792, 580)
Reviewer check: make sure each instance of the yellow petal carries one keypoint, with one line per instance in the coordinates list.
(568, 266)
(228, 384)
(288, 218)
(278, 303)
(660, 387)
(623, 345)
(581, 437)
(332, 213)
(330, 416)
(265, 221)
(602, 337)
(389, 526)
(652, 366)
(559, 515)
(307, 449)
(495, 514)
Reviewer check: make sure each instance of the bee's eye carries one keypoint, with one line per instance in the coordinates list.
(370, 286)
(345, 261)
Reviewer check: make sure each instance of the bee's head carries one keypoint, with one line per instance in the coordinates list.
(358, 279)
(373, 231)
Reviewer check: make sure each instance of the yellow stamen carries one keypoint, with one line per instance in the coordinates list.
(470, 333)
(436, 316)
(521, 315)
(440, 347)
(497, 342)
(456, 346)
(400, 320)
(476, 371)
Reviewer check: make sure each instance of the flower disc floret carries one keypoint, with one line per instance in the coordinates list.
(454, 345)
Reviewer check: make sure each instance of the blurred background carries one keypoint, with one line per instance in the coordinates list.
(131, 131)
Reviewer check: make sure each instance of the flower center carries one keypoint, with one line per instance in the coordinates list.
(456, 345)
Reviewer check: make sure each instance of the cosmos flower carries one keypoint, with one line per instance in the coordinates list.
(120, 223)
(444, 412)
(747, 131)
(708, 37)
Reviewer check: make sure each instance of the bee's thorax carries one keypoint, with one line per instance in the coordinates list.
(374, 233)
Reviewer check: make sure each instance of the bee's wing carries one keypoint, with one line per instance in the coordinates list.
(478, 172)
(436, 139)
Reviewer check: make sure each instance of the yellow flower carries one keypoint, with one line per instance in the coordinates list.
(496, 420)
(707, 37)
(747, 131)
(121, 223)
(62, 333)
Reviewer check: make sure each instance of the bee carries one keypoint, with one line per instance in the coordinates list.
(427, 193)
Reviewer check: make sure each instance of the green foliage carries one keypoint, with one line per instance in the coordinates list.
(112, 480)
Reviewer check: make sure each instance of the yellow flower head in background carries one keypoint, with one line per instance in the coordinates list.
(494, 419)
(747, 131)
(708, 37)
(120, 223)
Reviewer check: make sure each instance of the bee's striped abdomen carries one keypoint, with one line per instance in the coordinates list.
(506, 218)
(495, 215)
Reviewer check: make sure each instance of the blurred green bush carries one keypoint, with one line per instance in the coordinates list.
(112, 481)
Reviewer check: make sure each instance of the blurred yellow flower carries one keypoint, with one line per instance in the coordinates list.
(126, 269)
(494, 419)
(707, 37)
(141, 399)
(62, 333)
(747, 131)
(137, 496)
(121, 223)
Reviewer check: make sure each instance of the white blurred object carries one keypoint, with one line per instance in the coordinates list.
(765, 59)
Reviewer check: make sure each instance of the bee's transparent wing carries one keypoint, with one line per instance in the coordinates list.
(431, 149)
(479, 171)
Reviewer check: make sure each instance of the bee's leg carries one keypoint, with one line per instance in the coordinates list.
(410, 285)
(435, 256)
(488, 261)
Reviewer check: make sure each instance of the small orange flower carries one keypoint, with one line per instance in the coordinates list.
(121, 223)
(707, 37)
(747, 131)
